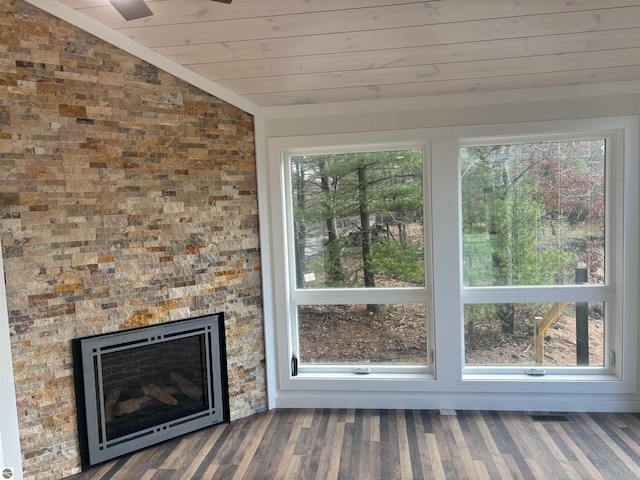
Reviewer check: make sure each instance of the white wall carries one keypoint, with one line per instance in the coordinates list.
(10, 455)
(561, 103)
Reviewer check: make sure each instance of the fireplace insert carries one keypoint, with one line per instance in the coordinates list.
(143, 386)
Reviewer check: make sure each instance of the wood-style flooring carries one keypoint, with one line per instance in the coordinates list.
(394, 444)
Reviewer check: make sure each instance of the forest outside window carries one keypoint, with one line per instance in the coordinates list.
(536, 250)
(358, 289)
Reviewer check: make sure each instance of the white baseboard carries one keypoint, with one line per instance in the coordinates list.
(458, 401)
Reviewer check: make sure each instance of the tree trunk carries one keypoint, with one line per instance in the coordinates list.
(506, 315)
(333, 262)
(369, 275)
(334, 270)
(500, 231)
(300, 234)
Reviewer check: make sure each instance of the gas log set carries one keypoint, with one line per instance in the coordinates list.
(115, 408)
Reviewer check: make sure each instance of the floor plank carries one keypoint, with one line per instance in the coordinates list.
(393, 444)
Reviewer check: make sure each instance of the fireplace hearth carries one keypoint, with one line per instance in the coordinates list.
(140, 387)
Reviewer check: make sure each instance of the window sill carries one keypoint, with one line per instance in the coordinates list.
(549, 383)
(348, 381)
(551, 377)
(369, 376)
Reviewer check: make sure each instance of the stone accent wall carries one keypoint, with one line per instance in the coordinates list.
(127, 198)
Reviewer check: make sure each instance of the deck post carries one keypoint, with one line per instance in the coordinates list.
(582, 322)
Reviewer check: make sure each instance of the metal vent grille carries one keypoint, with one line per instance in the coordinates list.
(550, 418)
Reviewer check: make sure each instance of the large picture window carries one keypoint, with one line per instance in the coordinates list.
(357, 258)
(534, 213)
(455, 267)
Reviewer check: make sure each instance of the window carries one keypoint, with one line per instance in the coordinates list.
(461, 266)
(357, 261)
(535, 214)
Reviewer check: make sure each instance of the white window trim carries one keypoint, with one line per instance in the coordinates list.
(350, 296)
(571, 293)
(450, 387)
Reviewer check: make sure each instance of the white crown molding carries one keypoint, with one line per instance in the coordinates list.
(125, 43)
(502, 97)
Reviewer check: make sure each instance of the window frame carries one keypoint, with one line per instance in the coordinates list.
(450, 384)
(350, 296)
(614, 146)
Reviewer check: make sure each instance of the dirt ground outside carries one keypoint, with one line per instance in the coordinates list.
(349, 334)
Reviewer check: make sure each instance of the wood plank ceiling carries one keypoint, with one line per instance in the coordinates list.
(288, 52)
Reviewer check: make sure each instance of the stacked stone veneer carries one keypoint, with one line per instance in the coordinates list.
(127, 198)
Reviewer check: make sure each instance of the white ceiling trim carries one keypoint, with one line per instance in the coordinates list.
(125, 43)
(455, 100)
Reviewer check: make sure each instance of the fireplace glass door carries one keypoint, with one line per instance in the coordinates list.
(147, 385)
(153, 384)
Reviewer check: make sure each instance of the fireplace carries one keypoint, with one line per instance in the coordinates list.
(140, 387)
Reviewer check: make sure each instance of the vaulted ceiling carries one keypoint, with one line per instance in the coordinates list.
(288, 52)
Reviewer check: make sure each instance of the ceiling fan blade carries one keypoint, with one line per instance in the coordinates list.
(132, 9)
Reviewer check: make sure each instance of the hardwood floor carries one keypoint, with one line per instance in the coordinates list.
(390, 444)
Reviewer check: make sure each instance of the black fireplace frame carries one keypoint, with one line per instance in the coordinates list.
(95, 449)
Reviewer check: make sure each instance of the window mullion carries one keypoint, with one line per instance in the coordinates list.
(350, 296)
(567, 293)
